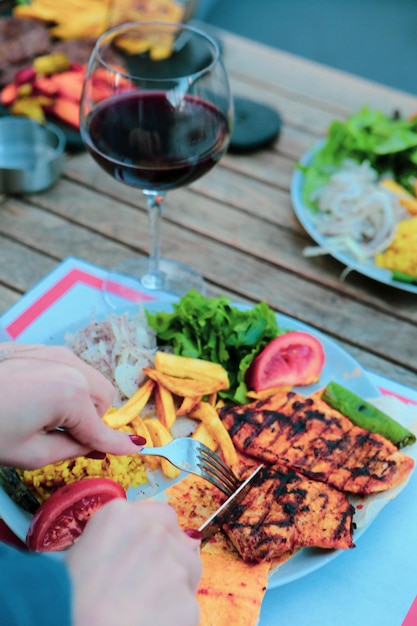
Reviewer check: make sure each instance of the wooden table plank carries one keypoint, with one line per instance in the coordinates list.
(59, 238)
(275, 236)
(20, 269)
(224, 265)
(8, 298)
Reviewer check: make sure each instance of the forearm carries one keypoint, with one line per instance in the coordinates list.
(35, 590)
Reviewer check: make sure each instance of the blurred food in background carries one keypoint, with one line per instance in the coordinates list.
(45, 46)
(93, 17)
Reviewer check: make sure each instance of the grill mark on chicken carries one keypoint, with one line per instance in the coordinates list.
(311, 437)
(285, 511)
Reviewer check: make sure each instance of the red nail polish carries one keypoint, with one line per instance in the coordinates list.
(95, 454)
(194, 533)
(138, 440)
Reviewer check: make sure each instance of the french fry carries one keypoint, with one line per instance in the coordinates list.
(184, 387)
(189, 380)
(202, 435)
(186, 367)
(187, 405)
(140, 428)
(160, 437)
(153, 462)
(159, 434)
(405, 198)
(209, 417)
(212, 399)
(266, 393)
(158, 50)
(410, 204)
(92, 19)
(130, 409)
(164, 405)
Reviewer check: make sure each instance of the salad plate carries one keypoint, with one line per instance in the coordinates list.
(304, 215)
(339, 366)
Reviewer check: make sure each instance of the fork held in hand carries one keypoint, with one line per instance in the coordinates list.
(194, 457)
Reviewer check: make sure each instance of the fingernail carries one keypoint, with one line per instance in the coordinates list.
(194, 533)
(137, 440)
(95, 454)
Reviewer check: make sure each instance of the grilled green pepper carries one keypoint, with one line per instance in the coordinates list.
(403, 278)
(367, 416)
(16, 489)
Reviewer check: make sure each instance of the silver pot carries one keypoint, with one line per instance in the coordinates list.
(31, 155)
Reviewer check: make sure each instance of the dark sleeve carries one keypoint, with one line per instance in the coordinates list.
(35, 590)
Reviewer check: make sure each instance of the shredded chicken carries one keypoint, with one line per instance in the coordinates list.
(119, 347)
(355, 213)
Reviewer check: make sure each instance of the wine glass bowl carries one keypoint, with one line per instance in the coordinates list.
(156, 114)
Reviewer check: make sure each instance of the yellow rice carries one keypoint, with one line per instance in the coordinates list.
(401, 255)
(128, 471)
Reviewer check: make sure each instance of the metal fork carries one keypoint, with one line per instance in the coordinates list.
(194, 457)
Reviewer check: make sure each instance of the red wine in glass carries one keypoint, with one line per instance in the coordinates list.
(145, 141)
(157, 124)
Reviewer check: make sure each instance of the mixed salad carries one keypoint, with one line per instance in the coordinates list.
(360, 184)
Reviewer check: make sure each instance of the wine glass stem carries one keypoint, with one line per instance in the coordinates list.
(154, 279)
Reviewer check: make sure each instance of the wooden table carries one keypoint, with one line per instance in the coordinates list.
(236, 225)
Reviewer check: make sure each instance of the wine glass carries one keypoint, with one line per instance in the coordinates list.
(156, 114)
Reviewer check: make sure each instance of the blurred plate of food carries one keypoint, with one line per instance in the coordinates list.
(44, 53)
(355, 194)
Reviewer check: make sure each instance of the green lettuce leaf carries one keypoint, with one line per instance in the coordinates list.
(213, 329)
(389, 144)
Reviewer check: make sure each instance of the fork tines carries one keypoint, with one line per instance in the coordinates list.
(213, 468)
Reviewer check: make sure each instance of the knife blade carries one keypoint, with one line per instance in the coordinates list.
(212, 524)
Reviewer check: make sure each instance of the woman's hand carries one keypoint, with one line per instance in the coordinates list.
(134, 566)
(47, 387)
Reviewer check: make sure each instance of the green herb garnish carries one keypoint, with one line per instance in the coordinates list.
(402, 277)
(389, 144)
(16, 489)
(213, 329)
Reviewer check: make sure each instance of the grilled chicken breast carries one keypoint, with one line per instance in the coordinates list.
(284, 511)
(307, 435)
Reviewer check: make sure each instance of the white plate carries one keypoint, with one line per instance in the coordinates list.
(339, 366)
(304, 215)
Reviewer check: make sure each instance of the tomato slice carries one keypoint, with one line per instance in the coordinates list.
(294, 358)
(61, 519)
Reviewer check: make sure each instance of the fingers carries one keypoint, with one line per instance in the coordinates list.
(159, 523)
(84, 432)
(100, 389)
(148, 530)
(147, 554)
(185, 549)
(92, 396)
(83, 424)
(194, 534)
(69, 394)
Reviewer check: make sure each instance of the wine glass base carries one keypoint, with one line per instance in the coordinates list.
(176, 279)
